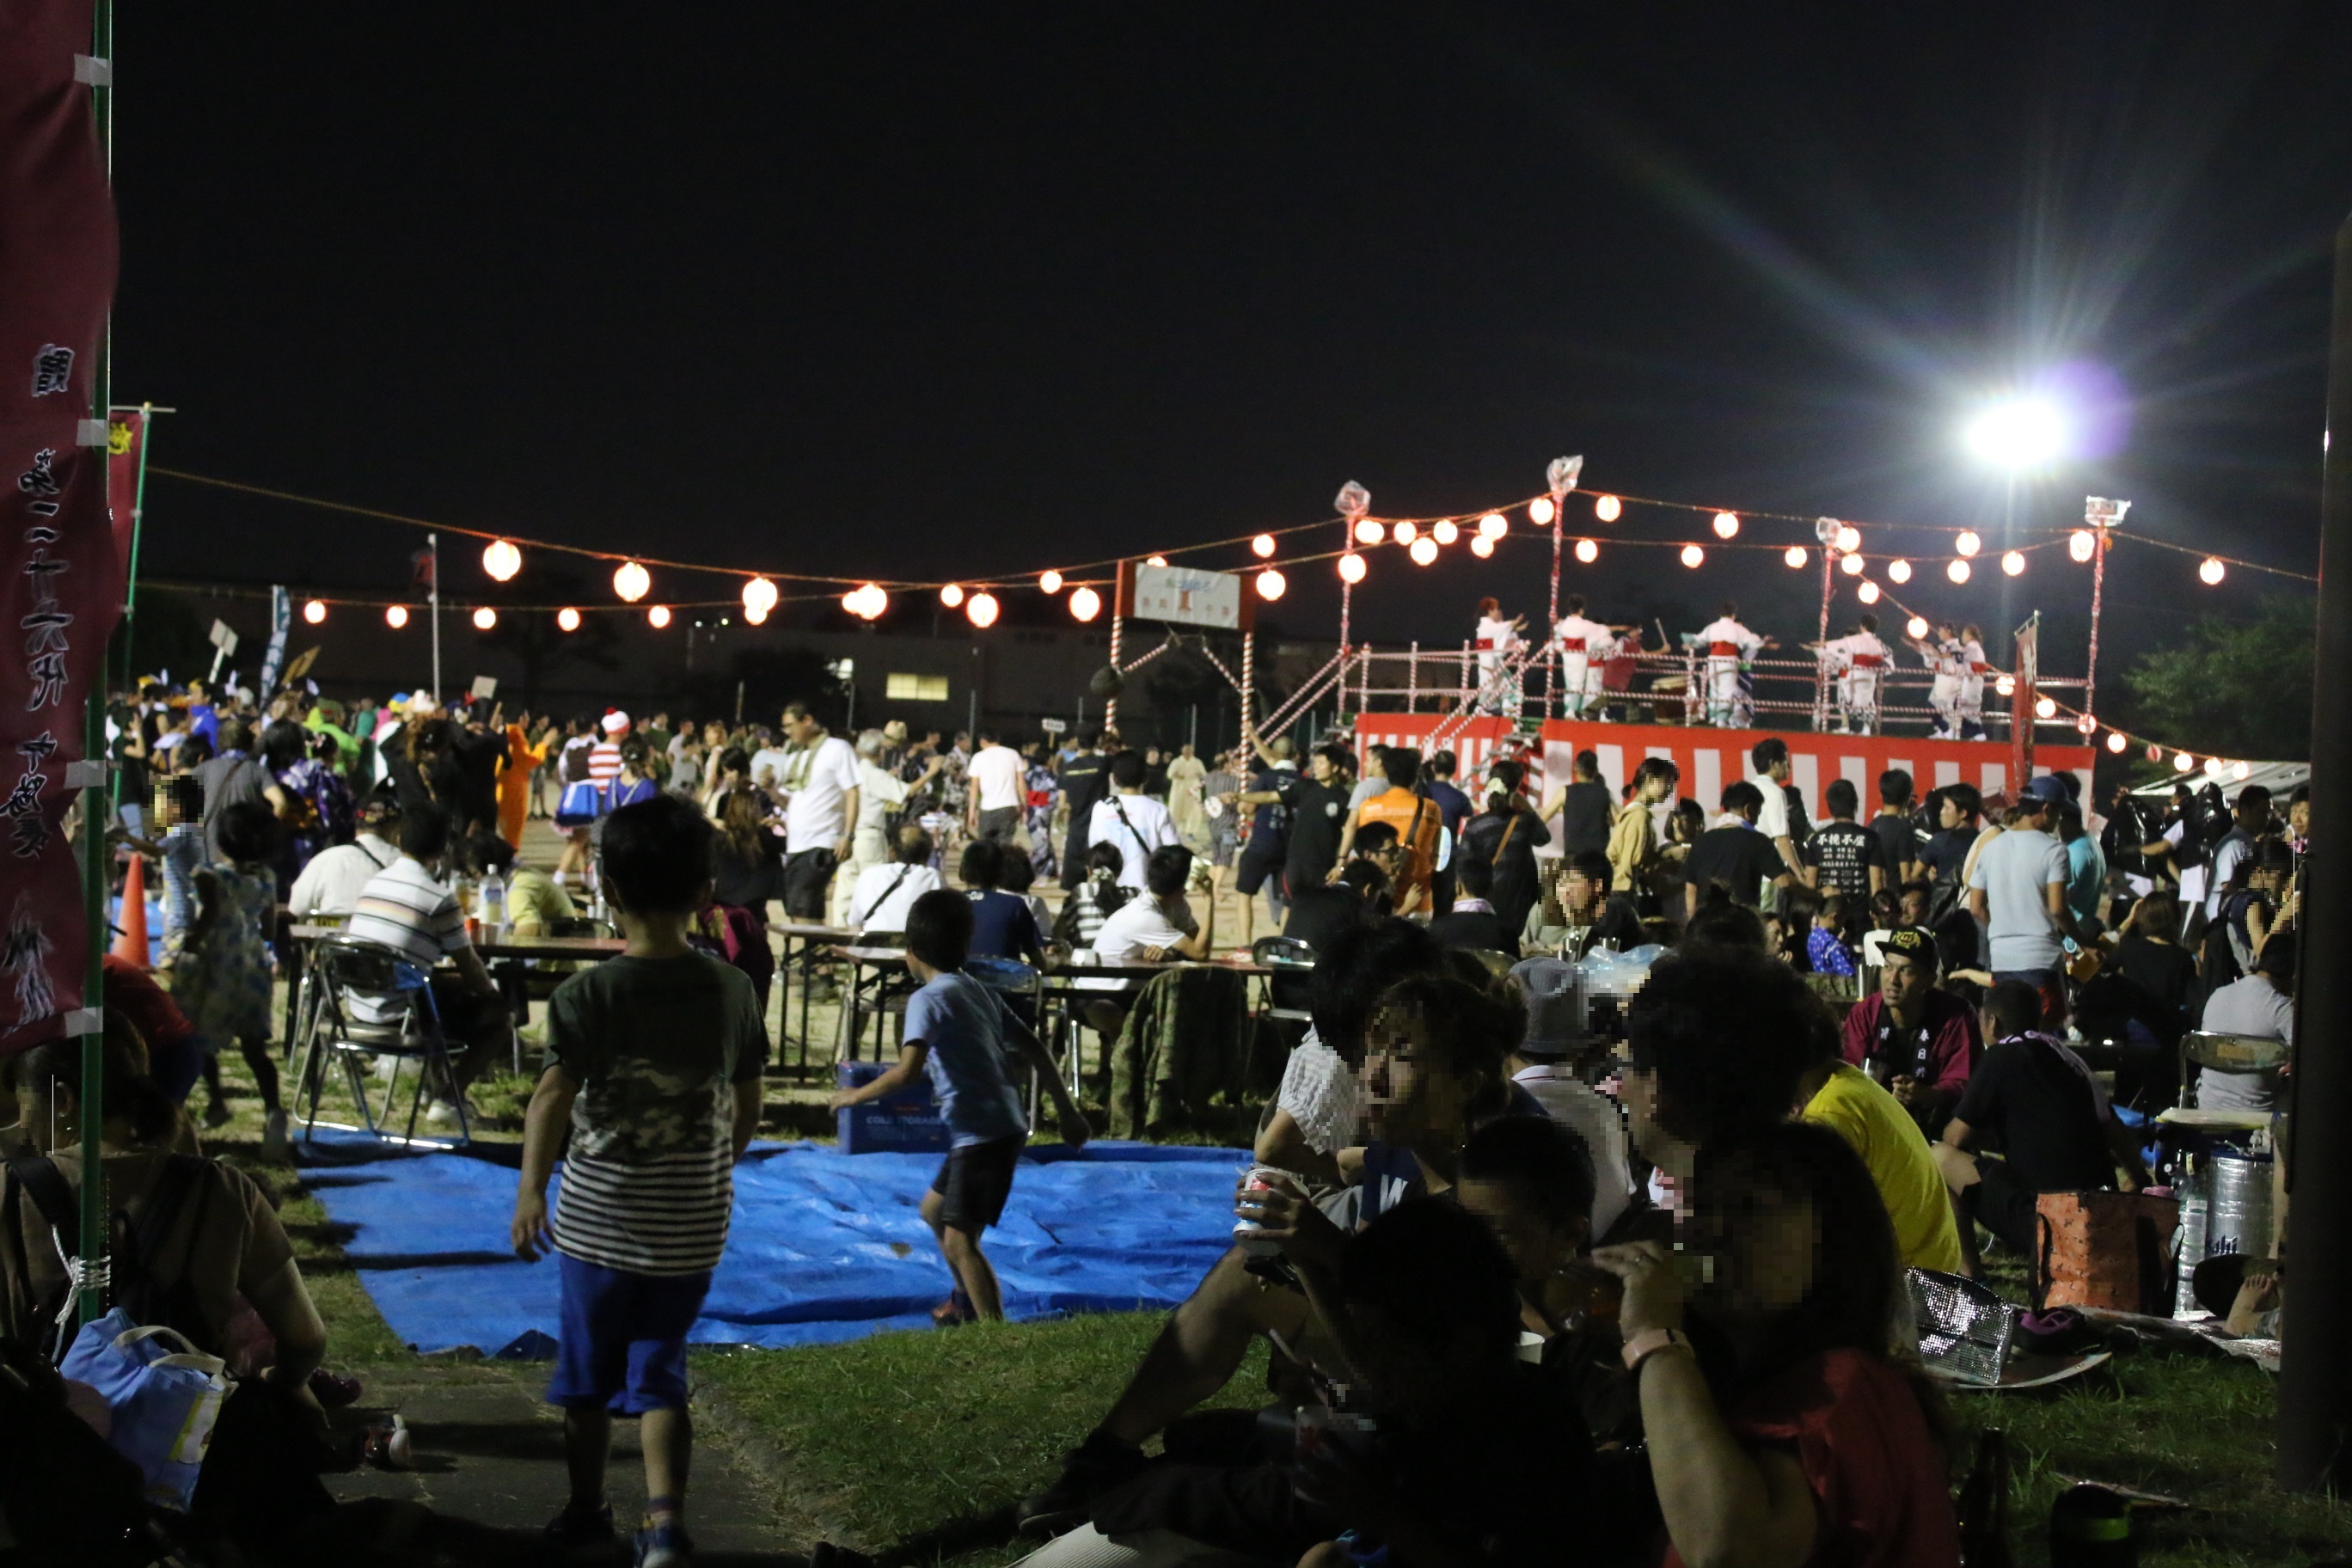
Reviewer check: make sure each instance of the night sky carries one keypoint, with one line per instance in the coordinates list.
(966, 291)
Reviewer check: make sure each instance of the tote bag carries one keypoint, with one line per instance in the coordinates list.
(165, 1400)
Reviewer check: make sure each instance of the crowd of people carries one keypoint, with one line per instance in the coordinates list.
(1502, 1260)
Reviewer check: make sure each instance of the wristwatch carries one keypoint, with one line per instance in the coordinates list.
(1649, 1342)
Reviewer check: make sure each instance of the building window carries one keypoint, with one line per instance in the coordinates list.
(915, 689)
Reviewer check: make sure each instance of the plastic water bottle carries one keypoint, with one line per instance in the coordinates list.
(493, 892)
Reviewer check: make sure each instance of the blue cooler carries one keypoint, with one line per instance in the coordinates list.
(908, 1122)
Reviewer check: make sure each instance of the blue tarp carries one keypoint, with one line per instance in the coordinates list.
(825, 1245)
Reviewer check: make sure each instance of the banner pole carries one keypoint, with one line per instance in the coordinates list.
(93, 1240)
(433, 607)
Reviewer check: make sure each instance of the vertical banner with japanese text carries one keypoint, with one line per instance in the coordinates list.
(60, 575)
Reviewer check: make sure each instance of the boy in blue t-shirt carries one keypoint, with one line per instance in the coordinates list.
(962, 1037)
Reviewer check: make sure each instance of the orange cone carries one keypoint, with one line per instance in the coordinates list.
(132, 945)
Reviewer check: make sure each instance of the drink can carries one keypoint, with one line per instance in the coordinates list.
(1245, 1229)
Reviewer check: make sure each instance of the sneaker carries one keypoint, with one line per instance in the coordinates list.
(443, 1114)
(577, 1526)
(273, 1136)
(1088, 1470)
(664, 1546)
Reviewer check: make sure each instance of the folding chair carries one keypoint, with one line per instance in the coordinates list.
(2228, 1053)
(345, 967)
(1012, 979)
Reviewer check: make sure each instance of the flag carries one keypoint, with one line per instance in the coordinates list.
(420, 568)
(281, 620)
(61, 577)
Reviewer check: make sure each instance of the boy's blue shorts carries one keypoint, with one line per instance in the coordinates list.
(623, 1343)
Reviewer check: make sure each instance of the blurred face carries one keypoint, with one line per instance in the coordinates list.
(1951, 815)
(1538, 1247)
(1762, 1245)
(1914, 907)
(1409, 1095)
(1904, 983)
(2298, 818)
(1637, 1091)
(1654, 788)
(800, 731)
(1580, 893)
(1320, 768)
(714, 735)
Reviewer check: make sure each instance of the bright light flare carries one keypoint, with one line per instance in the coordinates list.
(2019, 432)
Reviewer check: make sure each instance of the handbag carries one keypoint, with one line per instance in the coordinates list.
(165, 1401)
(581, 803)
(2103, 1250)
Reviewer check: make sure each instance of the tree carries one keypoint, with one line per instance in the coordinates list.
(2232, 687)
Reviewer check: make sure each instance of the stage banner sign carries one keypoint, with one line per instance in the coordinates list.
(1184, 596)
(126, 432)
(61, 577)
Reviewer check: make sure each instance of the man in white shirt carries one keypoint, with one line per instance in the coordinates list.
(331, 882)
(1973, 671)
(1130, 819)
(818, 784)
(1725, 643)
(1159, 923)
(2250, 819)
(998, 786)
(1770, 758)
(404, 906)
(880, 793)
(1541, 1067)
(1496, 641)
(2017, 891)
(1859, 662)
(1585, 646)
(1943, 657)
(885, 894)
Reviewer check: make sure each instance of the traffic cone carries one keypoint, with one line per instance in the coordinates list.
(132, 945)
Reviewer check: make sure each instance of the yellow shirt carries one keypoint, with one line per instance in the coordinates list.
(1854, 1106)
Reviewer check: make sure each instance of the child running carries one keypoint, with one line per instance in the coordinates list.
(961, 1035)
(221, 971)
(653, 1061)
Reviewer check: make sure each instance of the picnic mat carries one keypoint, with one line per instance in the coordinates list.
(825, 1245)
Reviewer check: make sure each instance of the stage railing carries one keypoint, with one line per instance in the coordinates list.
(1792, 690)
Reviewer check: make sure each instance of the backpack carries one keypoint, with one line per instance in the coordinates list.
(134, 1287)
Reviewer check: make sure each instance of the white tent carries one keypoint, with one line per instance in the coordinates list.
(2278, 778)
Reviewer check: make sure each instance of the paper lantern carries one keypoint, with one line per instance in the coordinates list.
(1608, 509)
(1898, 572)
(2213, 767)
(1049, 582)
(1587, 551)
(1368, 531)
(2006, 685)
(1867, 593)
(2086, 725)
(755, 618)
(1481, 546)
(568, 619)
(1085, 604)
(632, 582)
(1917, 626)
(315, 611)
(1351, 567)
(1493, 525)
(485, 618)
(2012, 562)
(2213, 571)
(2045, 707)
(1967, 543)
(2082, 545)
(2182, 762)
(1692, 555)
(1263, 546)
(2117, 742)
(759, 596)
(981, 610)
(1423, 551)
(1957, 570)
(1795, 556)
(1270, 583)
(867, 602)
(1726, 525)
(1155, 561)
(1849, 538)
(501, 560)
(658, 617)
(851, 601)
(952, 595)
(1540, 512)
(395, 615)
(1445, 532)
(2242, 770)
(1850, 564)
(1405, 532)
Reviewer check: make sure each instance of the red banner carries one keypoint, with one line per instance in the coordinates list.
(126, 436)
(60, 579)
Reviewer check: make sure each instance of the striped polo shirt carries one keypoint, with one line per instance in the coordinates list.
(403, 908)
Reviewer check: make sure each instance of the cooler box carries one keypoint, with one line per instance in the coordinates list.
(908, 1122)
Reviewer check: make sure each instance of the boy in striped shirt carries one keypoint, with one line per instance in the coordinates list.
(653, 1061)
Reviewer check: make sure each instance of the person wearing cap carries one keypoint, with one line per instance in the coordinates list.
(1544, 1067)
(1920, 1042)
(2017, 891)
